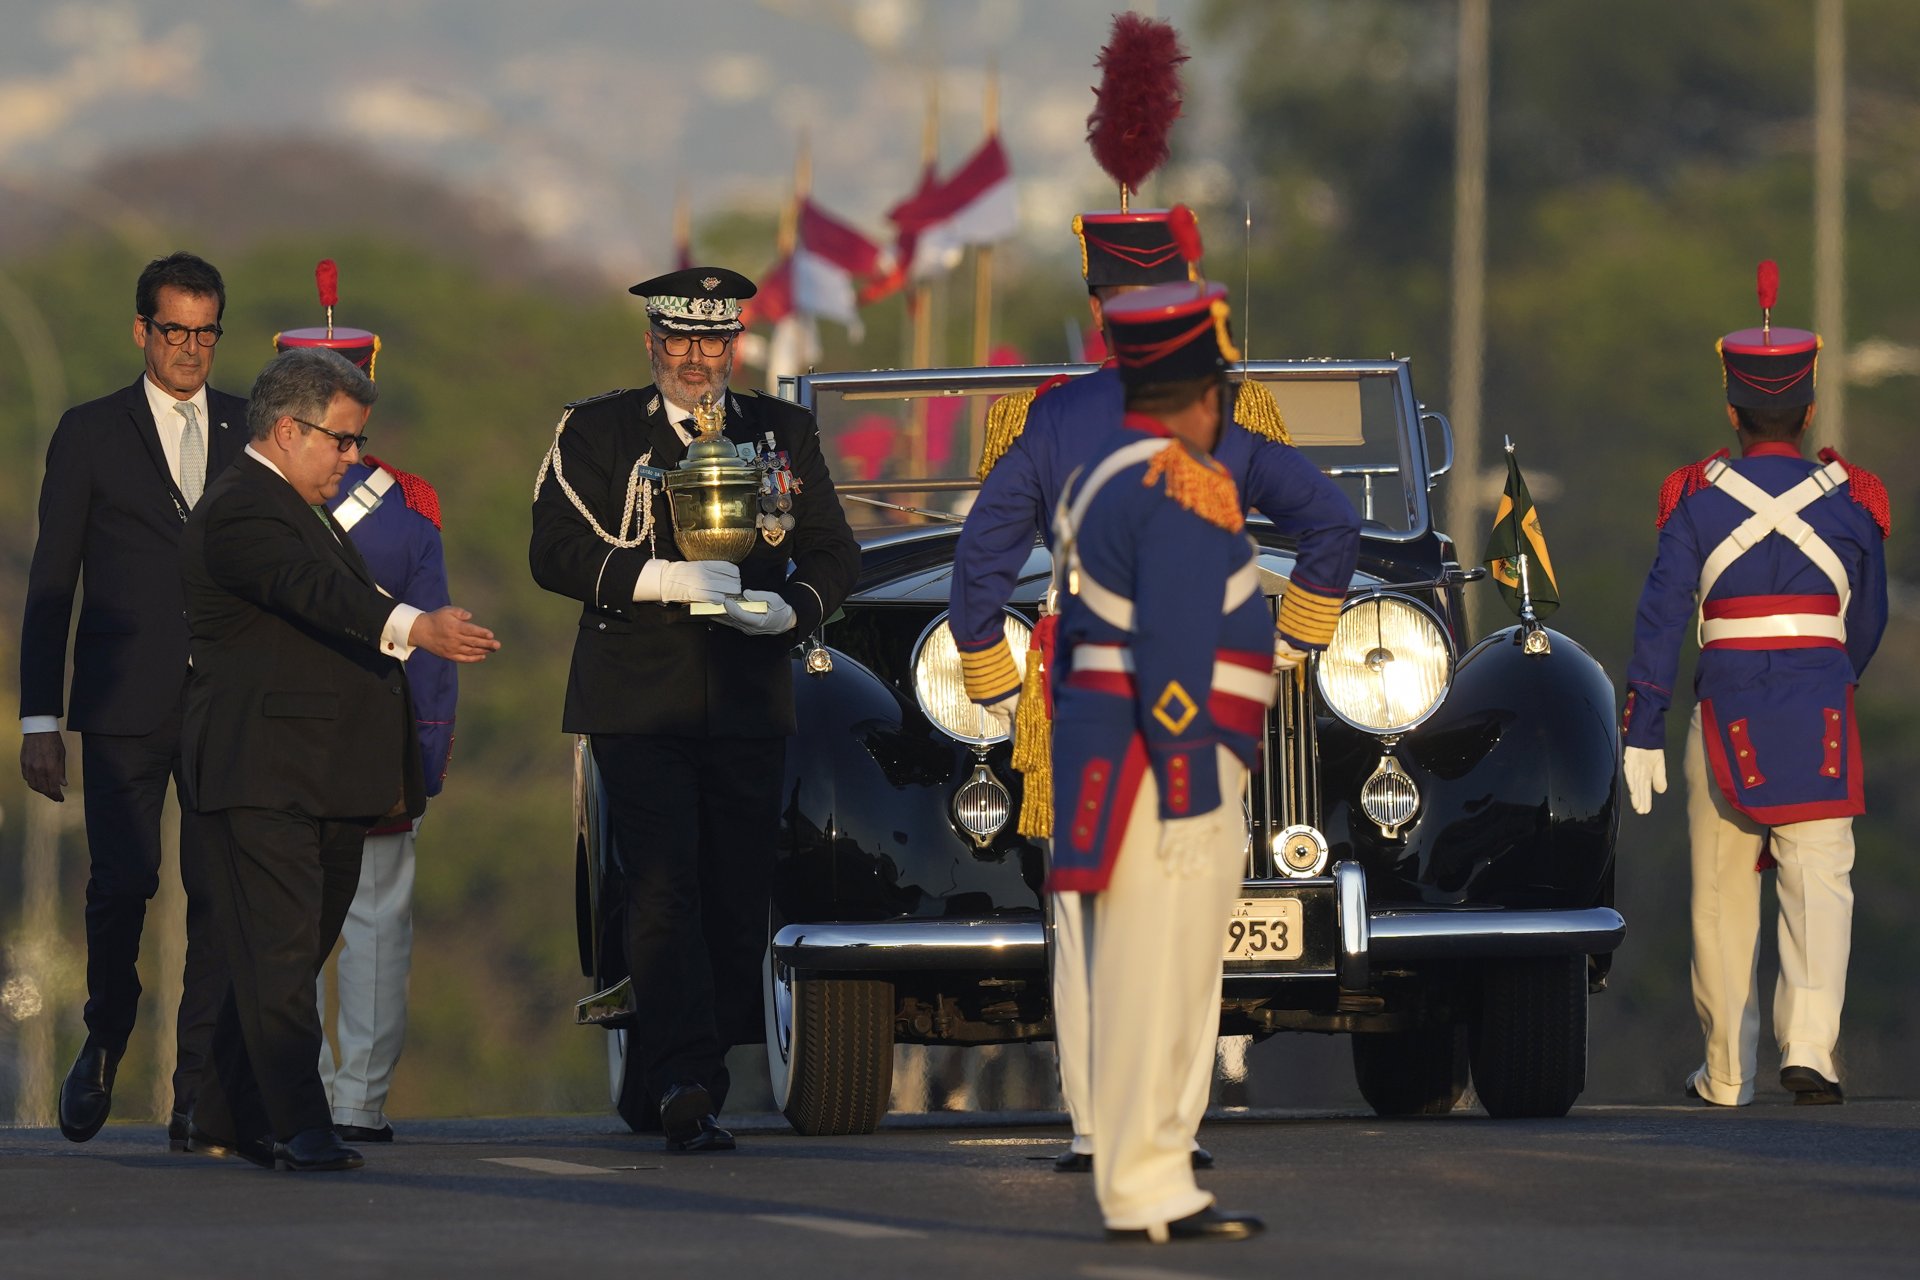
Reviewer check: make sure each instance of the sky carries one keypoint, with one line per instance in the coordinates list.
(586, 117)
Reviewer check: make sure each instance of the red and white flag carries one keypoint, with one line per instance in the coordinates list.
(977, 205)
(830, 261)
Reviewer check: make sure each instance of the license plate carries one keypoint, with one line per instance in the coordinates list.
(1266, 929)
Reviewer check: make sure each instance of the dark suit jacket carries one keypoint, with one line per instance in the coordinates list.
(108, 505)
(657, 669)
(292, 705)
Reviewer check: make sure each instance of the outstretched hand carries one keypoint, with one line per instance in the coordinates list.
(449, 632)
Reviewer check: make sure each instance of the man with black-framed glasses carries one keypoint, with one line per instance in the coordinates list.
(688, 714)
(122, 474)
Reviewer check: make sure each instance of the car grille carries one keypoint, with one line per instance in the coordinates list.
(1284, 790)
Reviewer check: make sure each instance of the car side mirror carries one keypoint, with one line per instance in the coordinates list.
(1437, 435)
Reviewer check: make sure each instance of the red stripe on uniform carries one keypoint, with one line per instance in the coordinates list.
(1239, 715)
(1767, 606)
(1776, 642)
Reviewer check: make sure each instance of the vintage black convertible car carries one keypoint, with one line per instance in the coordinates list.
(1430, 834)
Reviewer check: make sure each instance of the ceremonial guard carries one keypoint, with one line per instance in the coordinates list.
(1033, 444)
(687, 710)
(1784, 557)
(1164, 671)
(393, 517)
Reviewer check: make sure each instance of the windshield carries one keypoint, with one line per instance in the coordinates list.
(912, 438)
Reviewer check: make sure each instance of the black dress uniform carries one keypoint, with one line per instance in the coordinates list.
(688, 716)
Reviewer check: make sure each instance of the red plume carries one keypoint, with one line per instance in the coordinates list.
(1138, 99)
(327, 277)
(1769, 284)
(1186, 232)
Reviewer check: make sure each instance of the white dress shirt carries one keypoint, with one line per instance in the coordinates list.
(172, 424)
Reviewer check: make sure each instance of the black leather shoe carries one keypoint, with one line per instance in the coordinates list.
(1071, 1161)
(360, 1133)
(201, 1143)
(710, 1137)
(1808, 1087)
(315, 1151)
(682, 1108)
(178, 1129)
(87, 1094)
(1208, 1224)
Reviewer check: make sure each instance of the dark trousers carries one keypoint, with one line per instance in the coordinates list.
(694, 821)
(281, 884)
(125, 791)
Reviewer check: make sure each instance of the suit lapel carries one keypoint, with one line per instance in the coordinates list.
(140, 418)
(325, 536)
(228, 433)
(661, 438)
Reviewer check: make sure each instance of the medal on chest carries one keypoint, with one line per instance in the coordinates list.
(778, 486)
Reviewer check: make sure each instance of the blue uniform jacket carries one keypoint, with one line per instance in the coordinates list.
(402, 548)
(1188, 675)
(1064, 425)
(1776, 713)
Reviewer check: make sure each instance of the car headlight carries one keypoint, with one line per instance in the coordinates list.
(1388, 666)
(941, 690)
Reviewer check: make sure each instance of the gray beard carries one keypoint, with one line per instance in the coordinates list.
(670, 386)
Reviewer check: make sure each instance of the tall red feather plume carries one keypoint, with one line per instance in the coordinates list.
(1138, 98)
(1186, 232)
(327, 277)
(1769, 284)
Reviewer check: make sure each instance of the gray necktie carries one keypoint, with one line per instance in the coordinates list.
(193, 454)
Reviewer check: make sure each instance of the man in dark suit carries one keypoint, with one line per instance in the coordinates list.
(689, 712)
(299, 736)
(122, 474)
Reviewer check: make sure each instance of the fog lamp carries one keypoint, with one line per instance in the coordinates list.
(1389, 797)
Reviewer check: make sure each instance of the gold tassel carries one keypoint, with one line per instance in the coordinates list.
(1006, 419)
(1255, 409)
(1033, 750)
(1202, 486)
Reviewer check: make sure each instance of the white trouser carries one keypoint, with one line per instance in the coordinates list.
(1815, 935)
(376, 952)
(1071, 1041)
(1155, 943)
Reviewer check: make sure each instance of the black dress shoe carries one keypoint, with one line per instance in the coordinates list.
(1071, 1161)
(201, 1143)
(710, 1137)
(178, 1129)
(315, 1151)
(682, 1108)
(1208, 1224)
(86, 1096)
(1809, 1088)
(360, 1133)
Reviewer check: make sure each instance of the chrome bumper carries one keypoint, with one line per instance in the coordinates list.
(1367, 938)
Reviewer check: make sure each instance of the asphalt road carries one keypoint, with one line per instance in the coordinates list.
(1770, 1190)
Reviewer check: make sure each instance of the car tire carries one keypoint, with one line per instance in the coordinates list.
(637, 1105)
(1412, 1073)
(829, 1050)
(1529, 1042)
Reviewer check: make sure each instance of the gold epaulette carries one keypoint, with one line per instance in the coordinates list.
(1201, 485)
(1006, 419)
(1255, 409)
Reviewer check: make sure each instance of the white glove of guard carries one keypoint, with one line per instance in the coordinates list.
(685, 581)
(1188, 846)
(1000, 714)
(777, 618)
(1285, 656)
(1646, 771)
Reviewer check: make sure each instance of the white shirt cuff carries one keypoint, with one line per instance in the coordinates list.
(39, 724)
(393, 637)
(646, 587)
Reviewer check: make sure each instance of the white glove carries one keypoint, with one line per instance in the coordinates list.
(1000, 714)
(684, 581)
(1646, 771)
(1285, 656)
(1188, 846)
(777, 618)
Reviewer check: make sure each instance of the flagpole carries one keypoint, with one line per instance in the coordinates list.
(920, 301)
(682, 228)
(983, 281)
(1534, 636)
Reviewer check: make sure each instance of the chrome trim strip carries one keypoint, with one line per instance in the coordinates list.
(611, 1007)
(1350, 901)
(914, 944)
(1419, 935)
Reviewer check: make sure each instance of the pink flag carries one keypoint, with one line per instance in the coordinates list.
(977, 205)
(830, 260)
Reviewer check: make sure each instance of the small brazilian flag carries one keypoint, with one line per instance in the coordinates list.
(1516, 533)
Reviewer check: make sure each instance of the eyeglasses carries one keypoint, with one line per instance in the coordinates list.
(346, 440)
(177, 334)
(709, 347)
